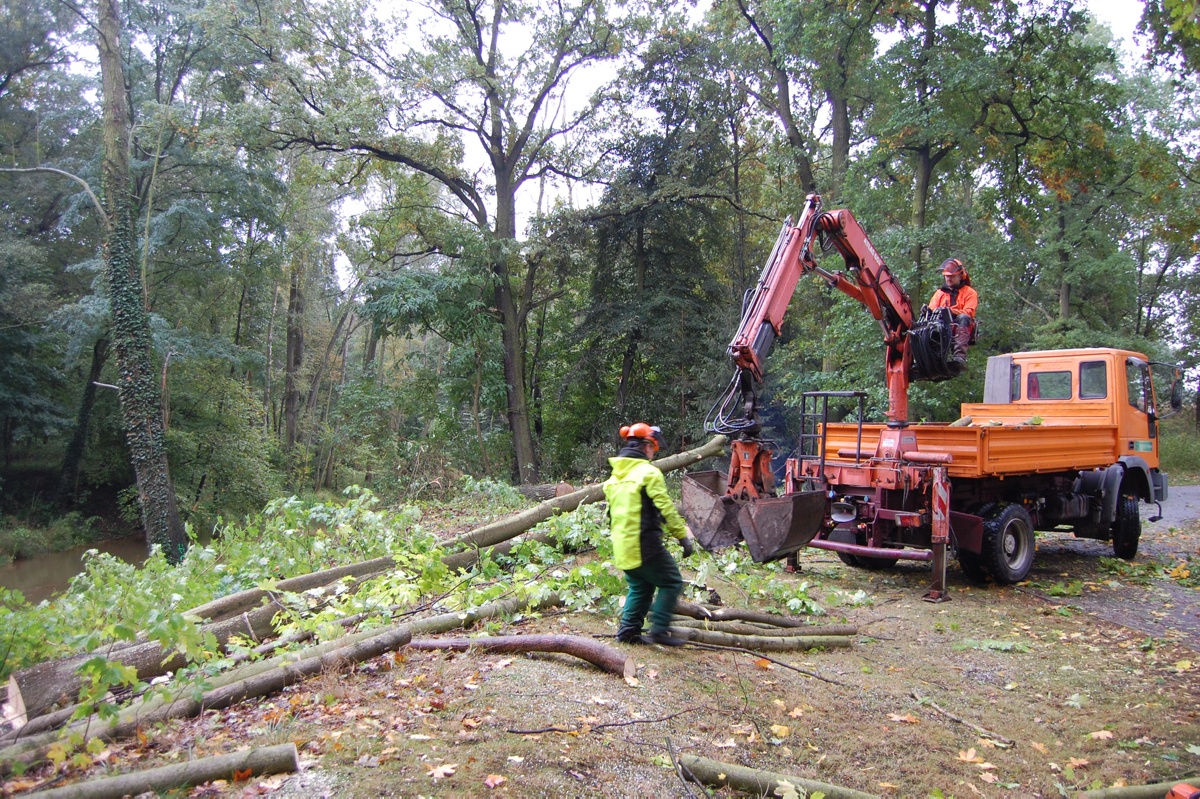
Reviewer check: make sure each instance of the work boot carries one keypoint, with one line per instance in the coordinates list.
(961, 338)
(627, 634)
(663, 638)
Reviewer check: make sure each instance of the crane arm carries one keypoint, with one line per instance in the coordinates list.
(869, 282)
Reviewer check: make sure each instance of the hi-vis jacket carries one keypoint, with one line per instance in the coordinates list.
(638, 510)
(962, 300)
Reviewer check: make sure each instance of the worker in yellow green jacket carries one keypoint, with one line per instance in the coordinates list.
(639, 511)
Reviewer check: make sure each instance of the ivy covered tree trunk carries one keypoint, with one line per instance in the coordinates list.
(141, 404)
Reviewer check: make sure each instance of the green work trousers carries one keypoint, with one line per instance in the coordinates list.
(661, 574)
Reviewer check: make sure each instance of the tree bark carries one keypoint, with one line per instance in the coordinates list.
(293, 359)
(763, 643)
(600, 655)
(756, 781)
(248, 763)
(68, 476)
(141, 404)
(736, 614)
(733, 628)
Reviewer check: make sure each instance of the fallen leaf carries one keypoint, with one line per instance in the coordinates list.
(1077, 762)
(243, 775)
(969, 756)
(1102, 735)
(470, 724)
(796, 713)
(763, 663)
(366, 761)
(652, 674)
(786, 790)
(632, 681)
(988, 777)
(494, 780)
(907, 718)
(419, 737)
(515, 759)
(1183, 665)
(728, 743)
(986, 766)
(781, 730)
(1041, 747)
(444, 770)
(499, 664)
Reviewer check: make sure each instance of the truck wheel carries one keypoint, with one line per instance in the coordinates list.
(1008, 544)
(876, 564)
(1126, 528)
(845, 537)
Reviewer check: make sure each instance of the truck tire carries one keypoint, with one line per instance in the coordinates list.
(1008, 544)
(1126, 528)
(845, 537)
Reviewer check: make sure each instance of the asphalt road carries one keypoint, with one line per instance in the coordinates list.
(1160, 609)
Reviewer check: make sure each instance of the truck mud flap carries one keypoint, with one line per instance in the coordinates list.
(776, 527)
(712, 516)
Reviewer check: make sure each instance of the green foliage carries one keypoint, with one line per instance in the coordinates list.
(19, 540)
(112, 599)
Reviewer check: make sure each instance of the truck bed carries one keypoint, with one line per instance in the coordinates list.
(995, 450)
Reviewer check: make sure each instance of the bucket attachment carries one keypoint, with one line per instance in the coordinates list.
(712, 516)
(778, 526)
(772, 527)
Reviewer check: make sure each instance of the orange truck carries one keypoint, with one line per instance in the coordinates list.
(1064, 439)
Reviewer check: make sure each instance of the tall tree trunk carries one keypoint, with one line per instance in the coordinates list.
(511, 337)
(295, 357)
(840, 155)
(1064, 261)
(141, 406)
(68, 476)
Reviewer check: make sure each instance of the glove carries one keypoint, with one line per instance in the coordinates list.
(688, 547)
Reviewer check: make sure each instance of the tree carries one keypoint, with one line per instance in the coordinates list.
(141, 404)
(475, 81)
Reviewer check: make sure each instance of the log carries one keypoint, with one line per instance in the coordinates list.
(757, 782)
(704, 612)
(600, 655)
(763, 643)
(35, 690)
(249, 763)
(496, 532)
(1156, 791)
(260, 679)
(243, 600)
(734, 628)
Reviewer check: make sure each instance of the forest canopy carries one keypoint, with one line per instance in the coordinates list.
(459, 238)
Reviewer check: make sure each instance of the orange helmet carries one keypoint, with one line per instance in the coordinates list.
(644, 432)
(953, 266)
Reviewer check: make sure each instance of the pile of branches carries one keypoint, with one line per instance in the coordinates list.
(42, 708)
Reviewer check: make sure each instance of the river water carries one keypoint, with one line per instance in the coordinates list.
(42, 576)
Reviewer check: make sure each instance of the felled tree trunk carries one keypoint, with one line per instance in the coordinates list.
(736, 614)
(502, 530)
(757, 782)
(763, 643)
(35, 690)
(249, 763)
(733, 628)
(260, 679)
(600, 655)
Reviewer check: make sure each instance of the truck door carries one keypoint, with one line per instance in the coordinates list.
(1138, 433)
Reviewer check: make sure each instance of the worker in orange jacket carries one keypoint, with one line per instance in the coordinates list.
(962, 300)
